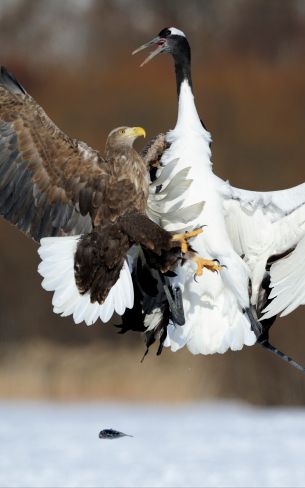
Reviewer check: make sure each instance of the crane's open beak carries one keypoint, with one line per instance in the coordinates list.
(157, 41)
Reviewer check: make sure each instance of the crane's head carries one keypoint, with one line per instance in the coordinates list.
(169, 40)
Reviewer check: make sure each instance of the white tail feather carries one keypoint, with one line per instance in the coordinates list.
(57, 269)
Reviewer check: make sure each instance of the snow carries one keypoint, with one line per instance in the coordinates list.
(196, 445)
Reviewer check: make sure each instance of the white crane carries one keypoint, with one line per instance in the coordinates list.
(258, 237)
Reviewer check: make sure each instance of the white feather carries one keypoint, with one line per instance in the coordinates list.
(92, 314)
(80, 308)
(176, 32)
(57, 269)
(287, 282)
(153, 319)
(164, 174)
(214, 305)
(254, 225)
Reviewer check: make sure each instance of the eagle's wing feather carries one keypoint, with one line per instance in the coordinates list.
(271, 224)
(47, 180)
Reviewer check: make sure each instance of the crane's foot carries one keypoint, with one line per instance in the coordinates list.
(183, 238)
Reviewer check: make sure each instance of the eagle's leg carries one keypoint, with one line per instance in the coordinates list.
(183, 238)
(205, 263)
(166, 247)
(200, 262)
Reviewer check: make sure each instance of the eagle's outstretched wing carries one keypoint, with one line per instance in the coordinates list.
(61, 192)
(46, 178)
(55, 187)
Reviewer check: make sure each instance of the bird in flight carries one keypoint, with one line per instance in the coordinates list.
(259, 237)
(87, 210)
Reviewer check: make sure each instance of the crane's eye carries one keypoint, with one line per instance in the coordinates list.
(165, 33)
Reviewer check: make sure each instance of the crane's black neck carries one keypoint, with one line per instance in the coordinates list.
(181, 53)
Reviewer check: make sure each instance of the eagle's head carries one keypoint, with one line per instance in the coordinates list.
(124, 136)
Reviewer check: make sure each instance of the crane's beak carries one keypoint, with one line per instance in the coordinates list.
(157, 41)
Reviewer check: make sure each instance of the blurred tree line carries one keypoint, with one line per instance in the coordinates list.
(71, 31)
(74, 57)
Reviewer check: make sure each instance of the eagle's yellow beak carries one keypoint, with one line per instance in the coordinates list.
(137, 132)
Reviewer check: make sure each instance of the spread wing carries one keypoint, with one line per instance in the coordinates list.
(170, 186)
(49, 183)
(52, 185)
(271, 224)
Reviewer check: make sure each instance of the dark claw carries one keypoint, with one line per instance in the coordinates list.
(196, 228)
(219, 264)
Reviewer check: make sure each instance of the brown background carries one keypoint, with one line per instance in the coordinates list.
(249, 82)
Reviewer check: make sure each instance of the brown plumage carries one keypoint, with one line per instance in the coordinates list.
(42, 170)
(53, 185)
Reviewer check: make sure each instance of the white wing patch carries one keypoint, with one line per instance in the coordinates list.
(274, 204)
(287, 282)
(57, 269)
(166, 207)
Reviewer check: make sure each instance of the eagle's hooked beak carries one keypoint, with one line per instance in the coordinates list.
(137, 132)
(157, 41)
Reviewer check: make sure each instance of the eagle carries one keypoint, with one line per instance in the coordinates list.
(259, 237)
(88, 212)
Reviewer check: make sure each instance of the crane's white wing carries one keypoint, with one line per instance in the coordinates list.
(265, 224)
(274, 204)
(165, 204)
(288, 283)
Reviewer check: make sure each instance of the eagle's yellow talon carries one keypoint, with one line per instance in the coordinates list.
(205, 263)
(183, 238)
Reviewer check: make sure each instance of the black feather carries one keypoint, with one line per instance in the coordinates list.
(9, 81)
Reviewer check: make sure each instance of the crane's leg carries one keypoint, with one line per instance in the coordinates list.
(263, 340)
(266, 344)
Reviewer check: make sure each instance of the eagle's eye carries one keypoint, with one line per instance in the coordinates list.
(122, 131)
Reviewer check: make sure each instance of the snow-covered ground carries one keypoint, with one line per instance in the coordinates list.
(199, 445)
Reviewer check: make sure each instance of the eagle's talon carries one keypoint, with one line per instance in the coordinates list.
(183, 238)
(205, 263)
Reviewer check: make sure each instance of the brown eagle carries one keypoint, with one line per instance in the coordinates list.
(86, 210)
